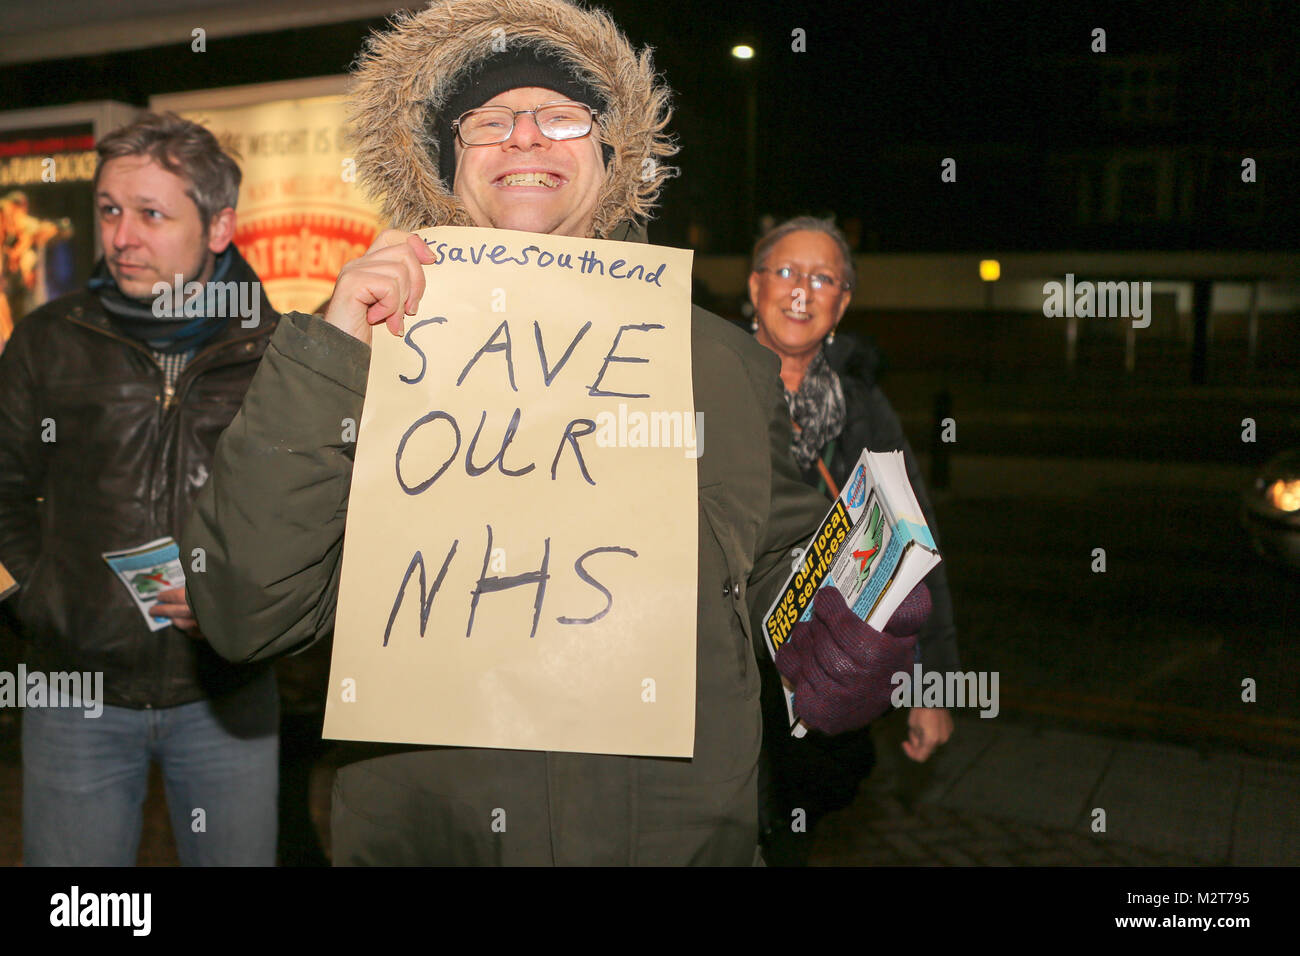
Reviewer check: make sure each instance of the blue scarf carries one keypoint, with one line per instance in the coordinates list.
(135, 317)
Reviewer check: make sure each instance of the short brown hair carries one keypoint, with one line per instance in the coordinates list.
(183, 148)
(805, 224)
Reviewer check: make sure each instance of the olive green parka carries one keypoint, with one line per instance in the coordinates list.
(272, 516)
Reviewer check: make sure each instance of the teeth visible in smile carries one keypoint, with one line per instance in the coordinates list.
(530, 179)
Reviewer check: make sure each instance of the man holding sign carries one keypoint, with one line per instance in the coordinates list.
(523, 581)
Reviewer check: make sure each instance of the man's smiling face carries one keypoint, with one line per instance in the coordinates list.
(529, 182)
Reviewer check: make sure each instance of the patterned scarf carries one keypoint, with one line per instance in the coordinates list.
(135, 317)
(817, 411)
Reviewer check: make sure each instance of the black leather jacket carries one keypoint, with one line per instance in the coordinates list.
(124, 465)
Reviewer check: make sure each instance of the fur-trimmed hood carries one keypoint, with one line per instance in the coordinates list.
(404, 75)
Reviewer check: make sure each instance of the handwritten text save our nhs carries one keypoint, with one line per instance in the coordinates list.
(586, 264)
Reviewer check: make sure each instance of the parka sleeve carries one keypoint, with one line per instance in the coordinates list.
(794, 513)
(270, 520)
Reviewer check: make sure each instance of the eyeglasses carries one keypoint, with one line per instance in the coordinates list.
(816, 281)
(490, 125)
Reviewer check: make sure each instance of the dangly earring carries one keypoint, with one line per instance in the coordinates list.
(753, 324)
(831, 337)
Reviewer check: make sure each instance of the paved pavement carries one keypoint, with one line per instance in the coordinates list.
(1004, 793)
(1001, 793)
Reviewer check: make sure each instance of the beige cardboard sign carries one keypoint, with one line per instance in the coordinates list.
(520, 561)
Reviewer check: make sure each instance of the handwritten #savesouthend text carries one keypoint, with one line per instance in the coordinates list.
(509, 578)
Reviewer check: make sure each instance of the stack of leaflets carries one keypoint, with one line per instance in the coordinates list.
(874, 546)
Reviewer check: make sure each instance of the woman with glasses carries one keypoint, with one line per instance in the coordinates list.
(800, 285)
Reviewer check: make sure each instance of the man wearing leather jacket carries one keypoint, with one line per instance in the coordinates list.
(111, 403)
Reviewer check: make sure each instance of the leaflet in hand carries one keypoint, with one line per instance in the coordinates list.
(873, 545)
(146, 572)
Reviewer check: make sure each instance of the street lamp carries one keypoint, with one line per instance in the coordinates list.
(745, 52)
(990, 272)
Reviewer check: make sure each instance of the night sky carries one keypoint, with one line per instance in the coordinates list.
(858, 123)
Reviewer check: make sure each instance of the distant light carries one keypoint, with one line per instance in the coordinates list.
(990, 270)
(1285, 495)
(742, 52)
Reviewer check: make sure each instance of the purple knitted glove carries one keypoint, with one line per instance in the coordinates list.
(840, 669)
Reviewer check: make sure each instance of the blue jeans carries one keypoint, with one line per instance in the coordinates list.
(85, 779)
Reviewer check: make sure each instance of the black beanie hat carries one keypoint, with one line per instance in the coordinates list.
(512, 69)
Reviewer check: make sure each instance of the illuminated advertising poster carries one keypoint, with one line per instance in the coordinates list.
(47, 241)
(301, 212)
